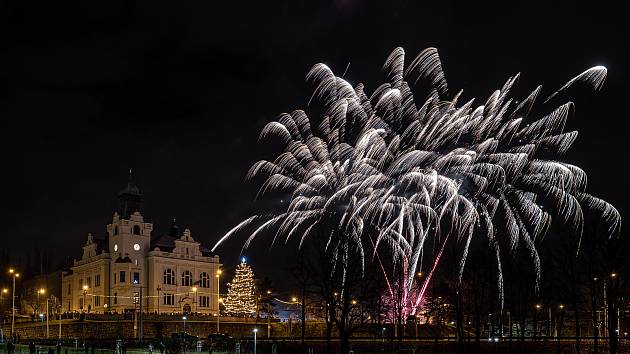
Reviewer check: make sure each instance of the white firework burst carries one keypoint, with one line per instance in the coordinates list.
(385, 174)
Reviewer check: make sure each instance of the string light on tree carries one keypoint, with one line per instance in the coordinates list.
(241, 300)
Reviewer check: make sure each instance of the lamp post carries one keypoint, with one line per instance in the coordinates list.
(14, 274)
(295, 301)
(218, 276)
(47, 322)
(85, 289)
(255, 331)
(559, 333)
(59, 313)
(194, 290)
(383, 338)
(538, 307)
(42, 291)
(184, 318)
(268, 314)
(158, 299)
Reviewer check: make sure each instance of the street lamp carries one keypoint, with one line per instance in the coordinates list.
(15, 275)
(383, 338)
(194, 290)
(158, 299)
(37, 306)
(255, 331)
(268, 313)
(59, 313)
(538, 307)
(43, 292)
(184, 318)
(85, 289)
(218, 276)
(561, 307)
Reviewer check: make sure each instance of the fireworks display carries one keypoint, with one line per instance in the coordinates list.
(390, 176)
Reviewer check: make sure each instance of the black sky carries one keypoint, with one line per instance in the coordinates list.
(178, 91)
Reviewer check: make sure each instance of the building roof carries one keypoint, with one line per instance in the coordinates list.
(102, 244)
(164, 242)
(125, 259)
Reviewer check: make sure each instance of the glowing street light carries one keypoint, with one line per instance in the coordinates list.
(15, 275)
(42, 291)
(194, 290)
(85, 290)
(255, 331)
(218, 276)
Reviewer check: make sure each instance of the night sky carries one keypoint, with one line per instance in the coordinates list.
(178, 91)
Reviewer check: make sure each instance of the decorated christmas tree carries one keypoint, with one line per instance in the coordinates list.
(241, 300)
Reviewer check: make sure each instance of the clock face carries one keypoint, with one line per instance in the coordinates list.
(115, 248)
(136, 247)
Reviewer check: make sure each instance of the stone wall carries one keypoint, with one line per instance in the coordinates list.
(111, 329)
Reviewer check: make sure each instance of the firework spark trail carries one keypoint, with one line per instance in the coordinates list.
(383, 174)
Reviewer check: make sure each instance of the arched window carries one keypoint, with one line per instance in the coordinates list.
(169, 276)
(204, 279)
(115, 230)
(187, 278)
(136, 230)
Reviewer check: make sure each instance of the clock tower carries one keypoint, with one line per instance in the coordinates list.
(128, 234)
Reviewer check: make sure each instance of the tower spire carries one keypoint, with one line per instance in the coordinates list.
(130, 199)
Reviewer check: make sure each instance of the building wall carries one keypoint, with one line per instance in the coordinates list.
(116, 276)
(159, 262)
